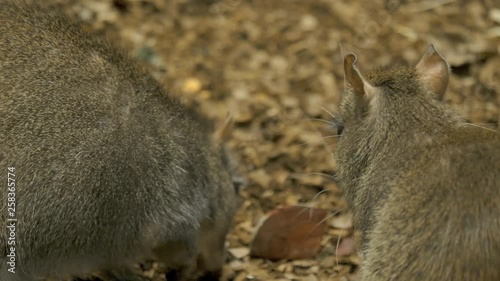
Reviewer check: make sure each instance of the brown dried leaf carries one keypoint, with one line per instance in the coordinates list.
(290, 233)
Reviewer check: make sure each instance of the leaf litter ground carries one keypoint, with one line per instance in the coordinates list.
(277, 67)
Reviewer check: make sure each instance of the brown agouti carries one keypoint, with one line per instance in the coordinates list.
(100, 168)
(424, 185)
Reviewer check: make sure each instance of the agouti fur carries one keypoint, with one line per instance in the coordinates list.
(109, 169)
(423, 184)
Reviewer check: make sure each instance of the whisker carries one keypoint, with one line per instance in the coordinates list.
(317, 194)
(338, 241)
(328, 112)
(326, 218)
(310, 208)
(337, 120)
(426, 6)
(337, 249)
(305, 164)
(332, 124)
(303, 144)
(322, 120)
(325, 144)
(331, 136)
(325, 137)
(476, 125)
(305, 209)
(298, 175)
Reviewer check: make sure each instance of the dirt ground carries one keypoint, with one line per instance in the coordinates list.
(277, 67)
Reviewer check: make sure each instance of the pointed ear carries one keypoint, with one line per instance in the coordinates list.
(354, 78)
(434, 71)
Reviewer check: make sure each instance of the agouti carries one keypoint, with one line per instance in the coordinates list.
(423, 184)
(103, 167)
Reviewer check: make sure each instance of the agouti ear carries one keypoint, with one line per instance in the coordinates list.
(434, 71)
(354, 78)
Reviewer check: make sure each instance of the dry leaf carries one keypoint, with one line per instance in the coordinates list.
(290, 233)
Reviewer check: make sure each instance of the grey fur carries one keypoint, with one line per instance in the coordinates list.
(109, 168)
(424, 186)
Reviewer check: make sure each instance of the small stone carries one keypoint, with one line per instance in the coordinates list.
(308, 22)
(495, 15)
(239, 252)
(192, 85)
(346, 247)
(342, 221)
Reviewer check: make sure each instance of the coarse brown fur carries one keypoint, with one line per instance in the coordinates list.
(424, 185)
(109, 169)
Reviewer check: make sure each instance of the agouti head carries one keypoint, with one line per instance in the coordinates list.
(388, 109)
(422, 183)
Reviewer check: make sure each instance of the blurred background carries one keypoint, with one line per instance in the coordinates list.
(276, 65)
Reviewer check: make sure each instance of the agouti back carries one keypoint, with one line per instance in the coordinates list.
(108, 168)
(424, 185)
